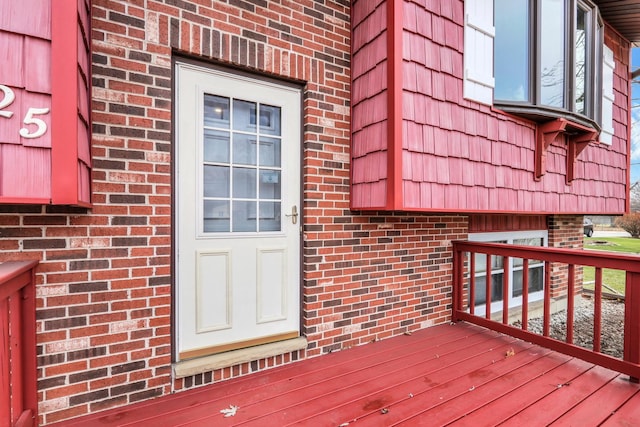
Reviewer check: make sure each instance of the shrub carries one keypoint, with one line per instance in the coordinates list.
(630, 223)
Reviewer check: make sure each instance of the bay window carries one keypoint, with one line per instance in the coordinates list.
(546, 60)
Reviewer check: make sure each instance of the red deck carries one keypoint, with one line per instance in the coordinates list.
(461, 374)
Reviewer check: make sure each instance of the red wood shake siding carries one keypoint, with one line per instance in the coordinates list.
(454, 154)
(44, 100)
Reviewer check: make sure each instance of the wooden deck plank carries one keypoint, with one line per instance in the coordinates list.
(357, 400)
(504, 382)
(410, 411)
(382, 350)
(627, 415)
(598, 407)
(460, 373)
(320, 386)
(528, 394)
(563, 398)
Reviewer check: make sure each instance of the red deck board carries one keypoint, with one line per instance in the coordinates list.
(627, 415)
(326, 400)
(496, 384)
(277, 396)
(566, 395)
(409, 375)
(598, 407)
(449, 369)
(422, 407)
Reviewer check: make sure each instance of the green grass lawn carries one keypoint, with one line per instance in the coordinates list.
(613, 278)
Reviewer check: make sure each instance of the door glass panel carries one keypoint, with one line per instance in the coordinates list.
(244, 116)
(216, 111)
(244, 216)
(552, 66)
(242, 159)
(244, 149)
(270, 120)
(270, 151)
(244, 183)
(269, 216)
(216, 215)
(269, 184)
(216, 146)
(216, 181)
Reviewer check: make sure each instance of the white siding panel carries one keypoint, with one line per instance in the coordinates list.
(479, 33)
(608, 96)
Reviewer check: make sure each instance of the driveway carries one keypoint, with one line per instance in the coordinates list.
(600, 233)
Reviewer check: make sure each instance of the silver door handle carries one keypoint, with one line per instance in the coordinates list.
(293, 215)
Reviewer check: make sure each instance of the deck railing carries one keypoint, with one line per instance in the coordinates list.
(464, 291)
(18, 376)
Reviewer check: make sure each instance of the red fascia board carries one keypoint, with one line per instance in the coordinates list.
(64, 102)
(394, 92)
(442, 211)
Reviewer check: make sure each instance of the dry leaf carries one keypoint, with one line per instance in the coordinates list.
(510, 352)
(230, 412)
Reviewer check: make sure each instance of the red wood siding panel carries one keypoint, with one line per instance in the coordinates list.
(485, 159)
(40, 80)
(369, 101)
(490, 223)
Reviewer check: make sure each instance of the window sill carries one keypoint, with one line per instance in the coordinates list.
(541, 114)
(191, 367)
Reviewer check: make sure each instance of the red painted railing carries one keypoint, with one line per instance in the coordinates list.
(18, 376)
(464, 290)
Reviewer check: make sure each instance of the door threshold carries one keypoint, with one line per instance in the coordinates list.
(199, 365)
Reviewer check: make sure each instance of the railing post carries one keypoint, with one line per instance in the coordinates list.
(632, 320)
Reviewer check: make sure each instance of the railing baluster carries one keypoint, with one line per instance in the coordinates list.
(472, 283)
(547, 299)
(525, 294)
(17, 351)
(597, 311)
(571, 286)
(5, 368)
(632, 320)
(505, 290)
(488, 288)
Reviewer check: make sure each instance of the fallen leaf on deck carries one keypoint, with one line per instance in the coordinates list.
(510, 352)
(384, 411)
(230, 412)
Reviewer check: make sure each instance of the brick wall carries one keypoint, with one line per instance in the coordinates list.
(104, 284)
(565, 231)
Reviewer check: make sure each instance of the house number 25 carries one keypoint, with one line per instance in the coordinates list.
(29, 118)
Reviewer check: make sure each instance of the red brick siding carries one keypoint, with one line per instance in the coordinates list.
(565, 231)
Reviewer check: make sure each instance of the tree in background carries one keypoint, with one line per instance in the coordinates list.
(630, 223)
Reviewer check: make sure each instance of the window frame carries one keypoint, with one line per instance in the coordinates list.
(533, 108)
(509, 237)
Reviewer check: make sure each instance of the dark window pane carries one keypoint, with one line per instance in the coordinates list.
(552, 53)
(216, 216)
(216, 181)
(244, 216)
(581, 60)
(216, 111)
(512, 53)
(269, 216)
(216, 146)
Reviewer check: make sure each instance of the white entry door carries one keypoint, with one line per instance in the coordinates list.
(237, 204)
